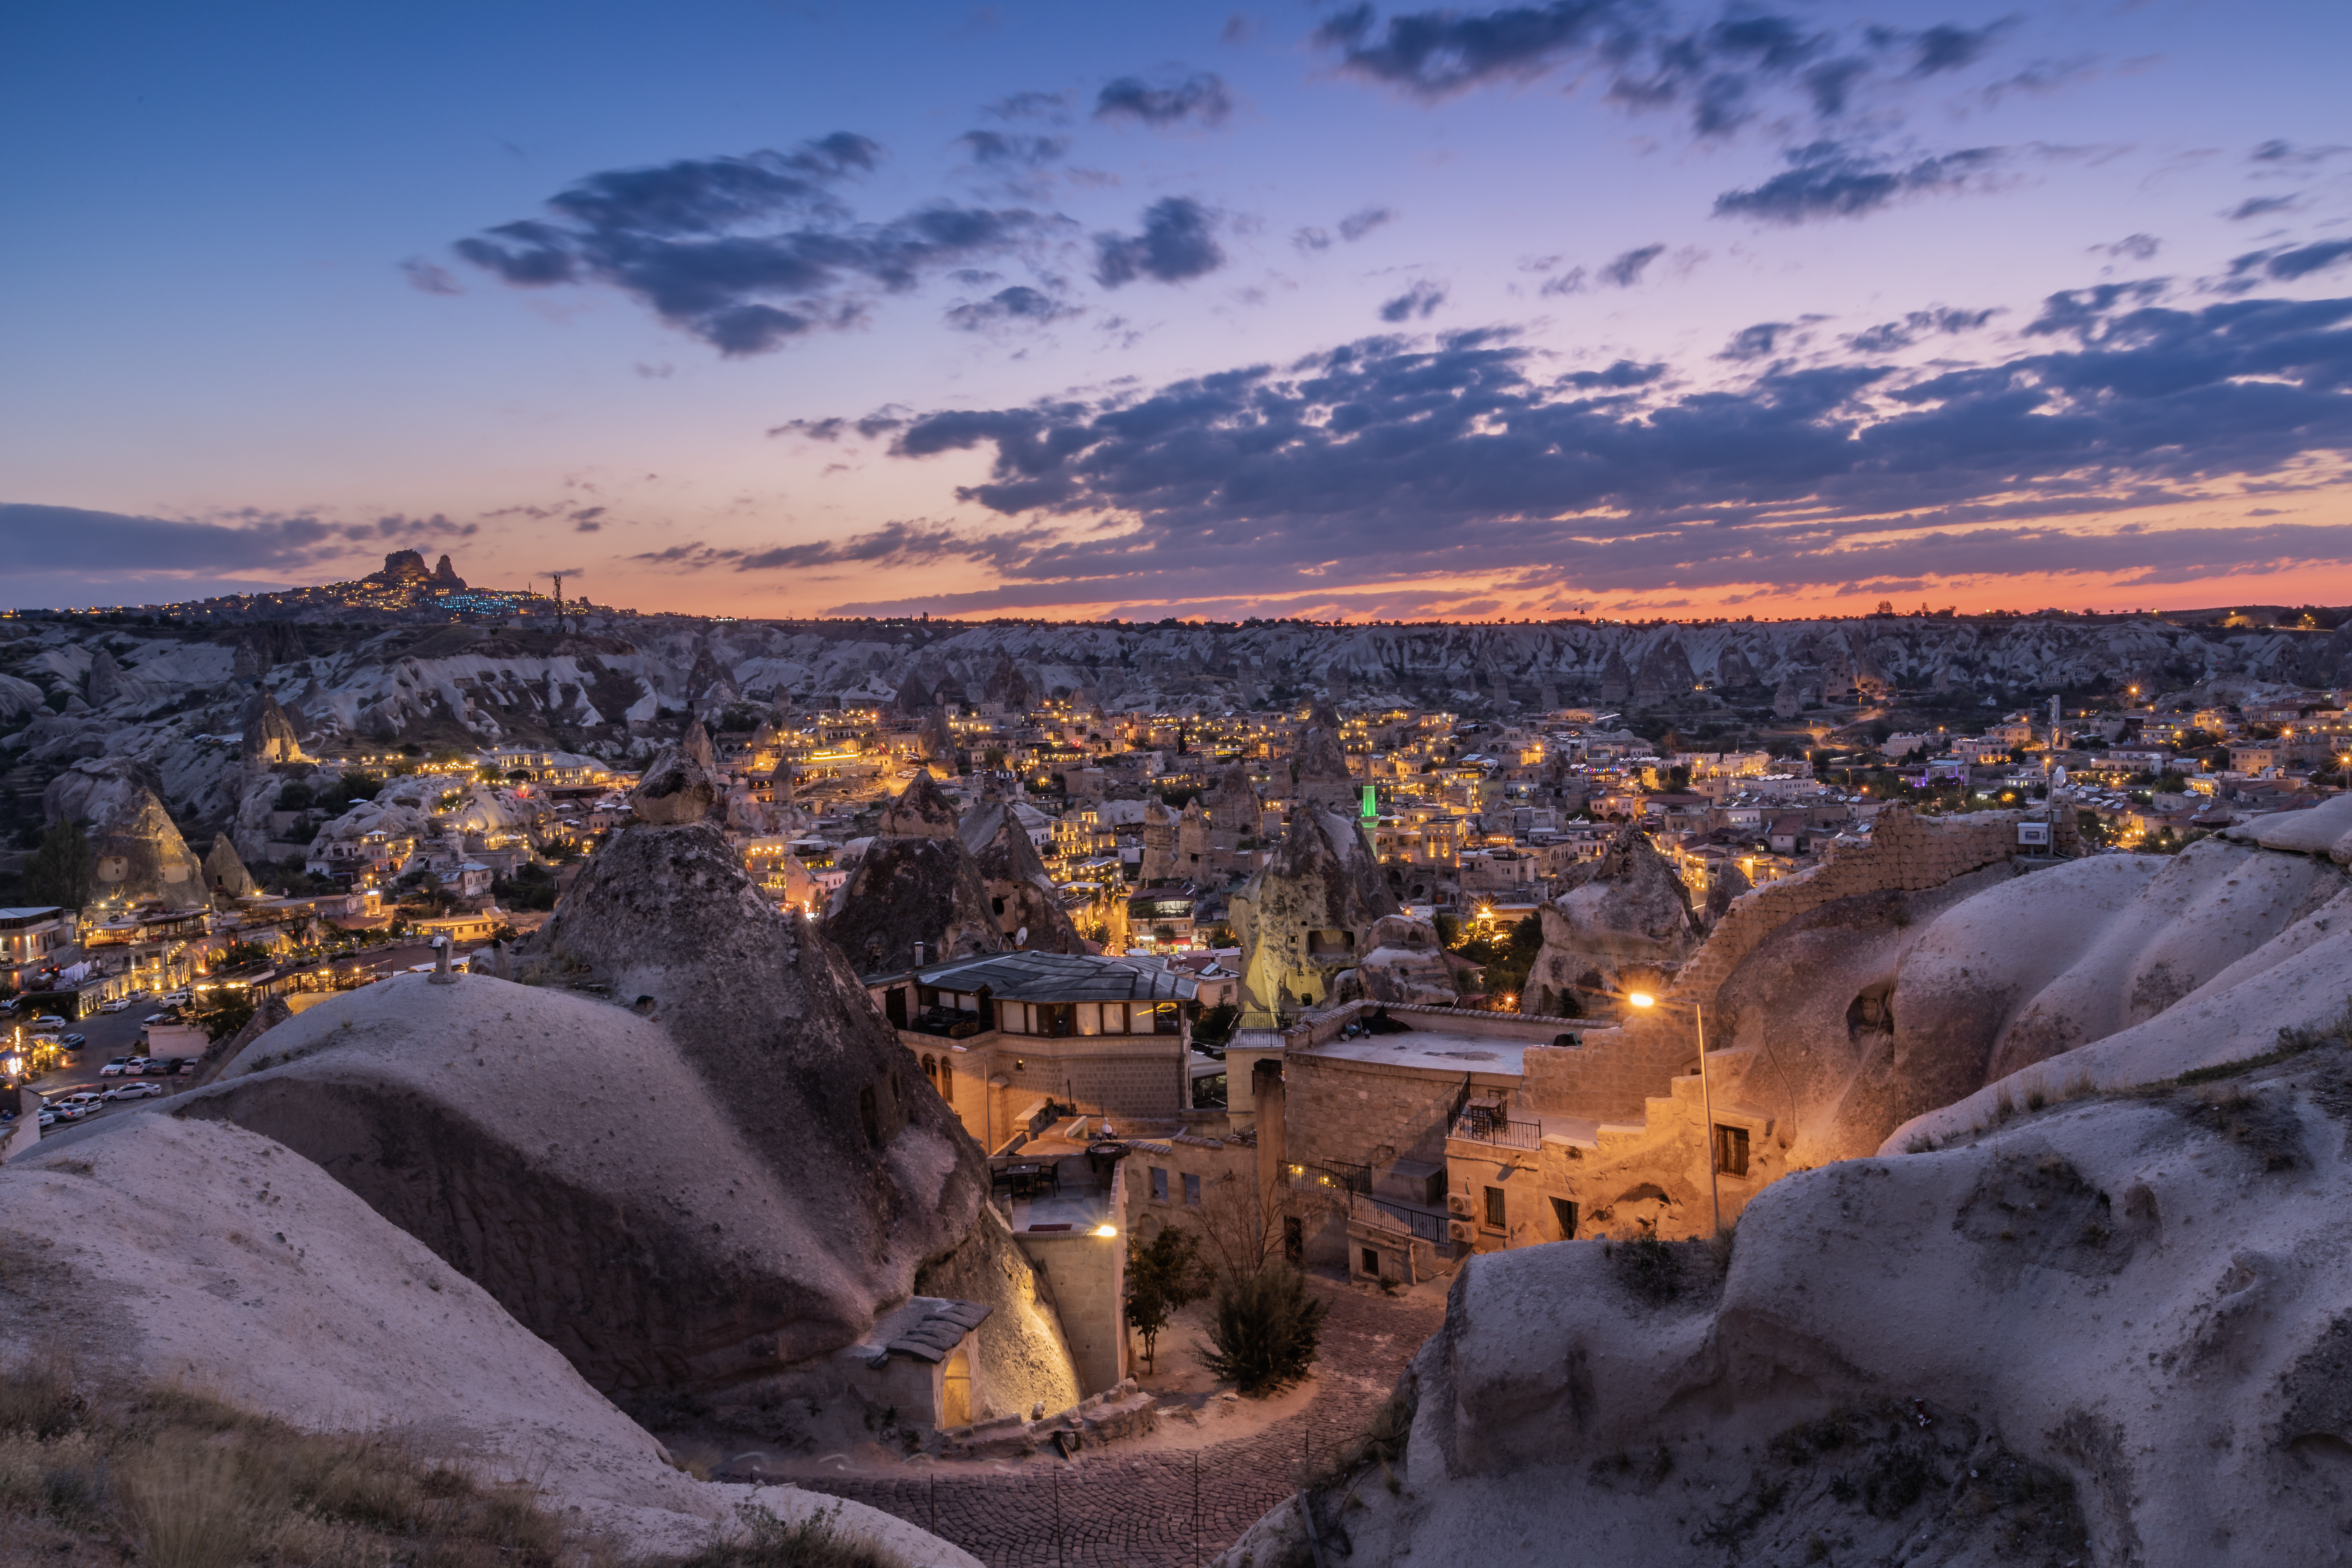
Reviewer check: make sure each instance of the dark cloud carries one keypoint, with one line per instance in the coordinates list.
(1626, 270)
(1947, 47)
(1399, 455)
(2286, 263)
(2261, 207)
(1200, 98)
(1622, 375)
(1422, 301)
(1352, 228)
(1832, 179)
(1017, 305)
(1754, 342)
(1888, 336)
(1001, 150)
(2287, 153)
(2131, 247)
(746, 253)
(1049, 106)
(65, 538)
(429, 278)
(2087, 312)
(1572, 281)
(1646, 56)
(1178, 242)
(894, 543)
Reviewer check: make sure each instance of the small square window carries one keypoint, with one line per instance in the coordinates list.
(1371, 1263)
(1191, 1190)
(1731, 1150)
(1494, 1208)
(1158, 1185)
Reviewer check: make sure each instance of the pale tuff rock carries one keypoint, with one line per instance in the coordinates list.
(697, 748)
(2325, 829)
(224, 874)
(921, 810)
(1407, 963)
(105, 682)
(1020, 890)
(1302, 917)
(1625, 923)
(269, 736)
(2118, 1309)
(139, 852)
(911, 891)
(675, 790)
(804, 1172)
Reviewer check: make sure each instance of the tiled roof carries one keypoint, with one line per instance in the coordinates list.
(938, 1334)
(1060, 978)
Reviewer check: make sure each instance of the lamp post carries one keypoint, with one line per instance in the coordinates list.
(1706, 1101)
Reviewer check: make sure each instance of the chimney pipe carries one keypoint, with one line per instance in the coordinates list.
(918, 955)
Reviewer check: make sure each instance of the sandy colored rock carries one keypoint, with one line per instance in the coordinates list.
(180, 1251)
(675, 790)
(1625, 923)
(724, 1178)
(137, 849)
(911, 891)
(1020, 890)
(921, 810)
(269, 736)
(1305, 914)
(1407, 963)
(224, 873)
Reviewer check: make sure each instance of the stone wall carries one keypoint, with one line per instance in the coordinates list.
(1087, 1275)
(1613, 1071)
(1368, 1113)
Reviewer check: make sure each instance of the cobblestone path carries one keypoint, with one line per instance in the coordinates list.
(1139, 1511)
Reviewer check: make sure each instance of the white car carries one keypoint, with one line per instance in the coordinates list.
(173, 998)
(134, 1091)
(120, 1005)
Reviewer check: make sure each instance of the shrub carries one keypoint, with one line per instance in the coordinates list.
(1162, 1274)
(1264, 1330)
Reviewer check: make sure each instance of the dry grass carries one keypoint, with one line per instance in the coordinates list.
(179, 1477)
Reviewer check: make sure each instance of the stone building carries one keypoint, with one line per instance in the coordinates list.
(1305, 915)
(998, 1035)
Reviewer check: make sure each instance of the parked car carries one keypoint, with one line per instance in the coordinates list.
(158, 1067)
(173, 998)
(70, 1041)
(155, 1018)
(134, 1091)
(48, 1023)
(187, 1066)
(115, 1067)
(48, 1118)
(120, 1005)
(81, 1097)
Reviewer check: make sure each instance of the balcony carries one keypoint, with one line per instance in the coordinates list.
(1492, 1124)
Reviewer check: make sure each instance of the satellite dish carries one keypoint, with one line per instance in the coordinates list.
(2058, 777)
(1021, 937)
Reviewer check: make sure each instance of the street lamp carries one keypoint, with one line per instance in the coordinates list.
(1706, 1101)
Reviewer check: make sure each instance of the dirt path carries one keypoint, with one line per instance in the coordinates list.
(1131, 1507)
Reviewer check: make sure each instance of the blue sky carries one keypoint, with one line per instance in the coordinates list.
(1071, 310)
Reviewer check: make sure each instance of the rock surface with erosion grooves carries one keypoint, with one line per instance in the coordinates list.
(269, 736)
(157, 1250)
(1625, 923)
(139, 853)
(1306, 913)
(675, 791)
(1020, 890)
(921, 810)
(2121, 1334)
(1407, 963)
(691, 1193)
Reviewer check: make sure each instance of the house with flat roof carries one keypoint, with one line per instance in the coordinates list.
(998, 1034)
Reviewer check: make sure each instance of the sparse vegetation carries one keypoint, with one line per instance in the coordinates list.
(1162, 1274)
(174, 1477)
(1264, 1332)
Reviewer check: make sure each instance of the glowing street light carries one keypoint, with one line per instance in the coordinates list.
(1706, 1101)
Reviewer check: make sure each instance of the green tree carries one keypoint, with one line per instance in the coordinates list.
(62, 871)
(1264, 1330)
(1162, 1274)
(243, 955)
(1215, 1024)
(222, 1012)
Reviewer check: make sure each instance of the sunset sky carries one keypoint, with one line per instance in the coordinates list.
(1080, 310)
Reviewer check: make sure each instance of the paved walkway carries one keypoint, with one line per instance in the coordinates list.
(1127, 1507)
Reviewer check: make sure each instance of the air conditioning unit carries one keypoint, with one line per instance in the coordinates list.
(1461, 1230)
(1458, 1203)
(2034, 835)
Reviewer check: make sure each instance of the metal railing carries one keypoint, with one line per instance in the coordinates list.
(1492, 1124)
(1424, 1224)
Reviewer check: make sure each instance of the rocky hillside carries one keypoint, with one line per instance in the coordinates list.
(178, 698)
